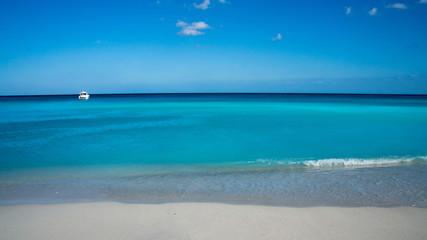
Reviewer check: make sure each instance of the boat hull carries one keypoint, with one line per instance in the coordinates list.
(86, 97)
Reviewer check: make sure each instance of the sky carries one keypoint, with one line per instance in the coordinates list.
(168, 46)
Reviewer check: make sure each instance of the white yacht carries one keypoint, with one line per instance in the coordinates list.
(83, 96)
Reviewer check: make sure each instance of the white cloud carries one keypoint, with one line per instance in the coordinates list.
(422, 1)
(223, 1)
(191, 30)
(204, 5)
(373, 11)
(181, 24)
(398, 5)
(278, 37)
(348, 10)
(200, 25)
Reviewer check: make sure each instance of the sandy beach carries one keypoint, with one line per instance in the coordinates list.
(110, 220)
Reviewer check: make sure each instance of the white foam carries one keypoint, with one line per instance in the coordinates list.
(355, 162)
(336, 162)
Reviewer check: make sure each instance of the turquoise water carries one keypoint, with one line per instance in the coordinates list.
(260, 148)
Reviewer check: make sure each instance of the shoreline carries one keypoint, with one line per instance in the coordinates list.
(256, 202)
(392, 186)
(192, 220)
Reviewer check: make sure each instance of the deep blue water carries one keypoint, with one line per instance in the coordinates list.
(257, 148)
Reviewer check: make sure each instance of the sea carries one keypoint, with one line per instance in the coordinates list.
(296, 150)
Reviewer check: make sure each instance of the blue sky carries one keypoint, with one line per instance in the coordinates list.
(62, 47)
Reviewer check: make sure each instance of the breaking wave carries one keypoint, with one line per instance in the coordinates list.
(341, 162)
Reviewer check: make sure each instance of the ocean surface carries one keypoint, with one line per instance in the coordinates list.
(273, 149)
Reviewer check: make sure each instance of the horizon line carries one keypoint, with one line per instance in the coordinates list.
(216, 93)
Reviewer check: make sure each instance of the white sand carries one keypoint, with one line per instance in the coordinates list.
(208, 221)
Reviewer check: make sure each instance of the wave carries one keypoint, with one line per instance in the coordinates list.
(341, 162)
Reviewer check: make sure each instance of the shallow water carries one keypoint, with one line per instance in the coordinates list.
(296, 150)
